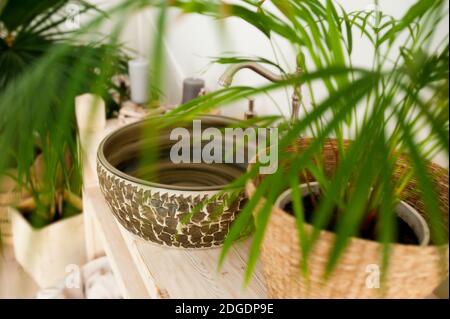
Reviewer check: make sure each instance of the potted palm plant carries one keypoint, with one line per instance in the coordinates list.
(10, 194)
(340, 231)
(362, 142)
(348, 237)
(46, 223)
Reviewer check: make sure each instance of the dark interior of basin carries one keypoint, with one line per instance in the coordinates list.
(128, 150)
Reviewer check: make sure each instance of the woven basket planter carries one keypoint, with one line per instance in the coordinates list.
(414, 272)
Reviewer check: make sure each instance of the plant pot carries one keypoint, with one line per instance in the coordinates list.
(157, 210)
(404, 212)
(9, 195)
(45, 253)
(5, 226)
(413, 272)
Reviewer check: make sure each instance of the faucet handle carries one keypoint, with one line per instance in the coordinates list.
(251, 109)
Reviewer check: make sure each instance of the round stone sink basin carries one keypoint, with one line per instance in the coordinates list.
(171, 204)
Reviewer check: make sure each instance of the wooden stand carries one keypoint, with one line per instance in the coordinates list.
(146, 270)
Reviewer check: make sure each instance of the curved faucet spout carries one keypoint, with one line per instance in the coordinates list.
(227, 78)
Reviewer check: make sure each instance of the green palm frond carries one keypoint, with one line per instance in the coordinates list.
(38, 56)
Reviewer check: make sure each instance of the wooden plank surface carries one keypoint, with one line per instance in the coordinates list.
(102, 233)
(171, 272)
(125, 272)
(89, 142)
(183, 273)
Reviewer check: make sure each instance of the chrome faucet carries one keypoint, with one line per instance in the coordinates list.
(227, 79)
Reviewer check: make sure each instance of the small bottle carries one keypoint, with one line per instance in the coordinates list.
(251, 109)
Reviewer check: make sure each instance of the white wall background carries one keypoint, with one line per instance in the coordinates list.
(191, 41)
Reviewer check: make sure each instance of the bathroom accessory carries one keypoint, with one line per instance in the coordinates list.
(250, 113)
(139, 80)
(155, 208)
(227, 79)
(138, 109)
(192, 88)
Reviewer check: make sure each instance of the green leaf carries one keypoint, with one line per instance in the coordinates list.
(300, 224)
(261, 221)
(419, 9)
(2, 6)
(426, 187)
(242, 221)
(20, 13)
(334, 35)
(348, 28)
